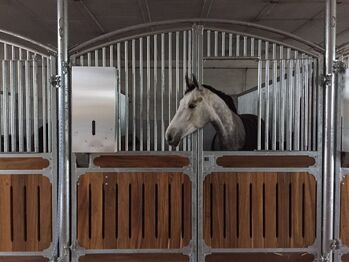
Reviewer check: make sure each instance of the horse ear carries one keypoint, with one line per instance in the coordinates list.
(190, 83)
(195, 81)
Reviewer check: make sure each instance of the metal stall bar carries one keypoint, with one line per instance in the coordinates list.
(290, 102)
(126, 94)
(63, 220)
(20, 85)
(329, 148)
(155, 62)
(259, 92)
(190, 71)
(185, 69)
(282, 100)
(141, 93)
(162, 90)
(148, 93)
(230, 43)
(306, 105)
(118, 94)
(134, 94)
(223, 43)
(169, 78)
(27, 105)
(43, 100)
(13, 111)
(5, 112)
(36, 106)
(267, 96)
(215, 43)
(177, 73)
(50, 70)
(275, 90)
(297, 103)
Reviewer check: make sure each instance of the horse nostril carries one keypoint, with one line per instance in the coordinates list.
(169, 138)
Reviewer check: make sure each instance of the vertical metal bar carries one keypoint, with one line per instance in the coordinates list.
(169, 77)
(301, 99)
(208, 42)
(162, 90)
(155, 63)
(81, 60)
(50, 69)
(134, 94)
(96, 58)
(190, 71)
(148, 93)
(329, 147)
(290, 101)
(267, 95)
(36, 106)
(13, 131)
(5, 104)
(104, 56)
(63, 133)
(141, 93)
(315, 104)
(306, 109)
(310, 102)
(252, 46)
(185, 72)
(215, 43)
(245, 46)
(237, 45)
(282, 99)
(20, 106)
(275, 87)
(126, 93)
(223, 43)
(111, 55)
(230, 45)
(118, 114)
(43, 101)
(28, 112)
(259, 93)
(177, 73)
(297, 104)
(89, 59)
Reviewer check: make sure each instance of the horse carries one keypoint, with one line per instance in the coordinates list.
(203, 104)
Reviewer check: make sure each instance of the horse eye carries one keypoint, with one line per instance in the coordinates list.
(192, 106)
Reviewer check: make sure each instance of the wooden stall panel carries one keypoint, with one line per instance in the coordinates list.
(344, 216)
(23, 163)
(260, 257)
(134, 210)
(259, 210)
(25, 213)
(136, 258)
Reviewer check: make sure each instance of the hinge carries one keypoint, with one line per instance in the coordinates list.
(339, 67)
(55, 81)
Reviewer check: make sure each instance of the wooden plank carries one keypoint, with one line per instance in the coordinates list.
(345, 211)
(163, 181)
(283, 208)
(141, 161)
(5, 213)
(96, 184)
(19, 215)
(207, 212)
(45, 213)
(270, 202)
(109, 228)
(150, 207)
(187, 208)
(257, 210)
(32, 212)
(309, 226)
(217, 212)
(136, 213)
(176, 212)
(265, 161)
(124, 226)
(244, 235)
(23, 259)
(83, 217)
(23, 163)
(296, 210)
(231, 213)
(261, 257)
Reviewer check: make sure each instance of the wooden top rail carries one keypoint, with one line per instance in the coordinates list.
(265, 161)
(146, 161)
(23, 163)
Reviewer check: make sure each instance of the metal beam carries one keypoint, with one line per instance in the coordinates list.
(329, 135)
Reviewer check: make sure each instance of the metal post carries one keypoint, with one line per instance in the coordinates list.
(329, 132)
(63, 113)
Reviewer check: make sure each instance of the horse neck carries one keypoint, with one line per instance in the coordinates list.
(228, 125)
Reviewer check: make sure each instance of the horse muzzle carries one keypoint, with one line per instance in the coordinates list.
(173, 139)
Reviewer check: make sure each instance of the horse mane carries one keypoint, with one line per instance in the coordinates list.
(226, 98)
